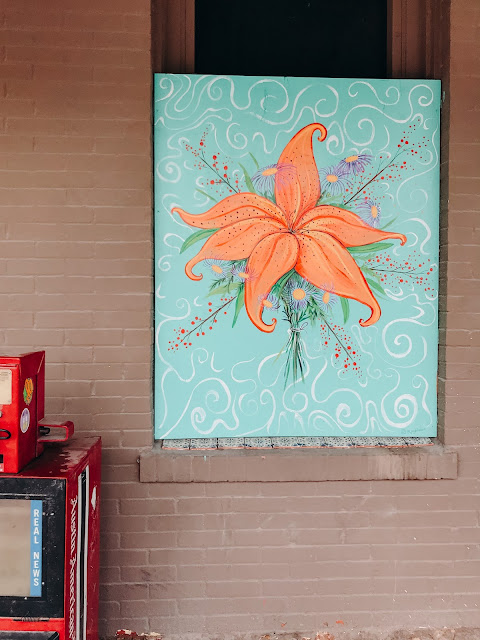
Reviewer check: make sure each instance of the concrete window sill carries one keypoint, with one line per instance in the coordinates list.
(299, 465)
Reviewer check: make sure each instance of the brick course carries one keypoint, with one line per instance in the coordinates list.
(75, 265)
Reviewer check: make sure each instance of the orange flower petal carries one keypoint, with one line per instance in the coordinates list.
(271, 259)
(323, 259)
(296, 196)
(347, 227)
(235, 242)
(231, 209)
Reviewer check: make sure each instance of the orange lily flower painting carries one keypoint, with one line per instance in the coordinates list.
(296, 251)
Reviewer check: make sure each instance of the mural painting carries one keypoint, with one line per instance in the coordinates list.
(296, 249)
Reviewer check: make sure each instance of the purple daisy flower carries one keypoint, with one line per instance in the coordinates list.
(242, 273)
(298, 293)
(370, 212)
(326, 298)
(270, 302)
(353, 165)
(264, 179)
(218, 267)
(334, 180)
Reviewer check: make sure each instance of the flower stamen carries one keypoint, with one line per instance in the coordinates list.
(298, 294)
(270, 172)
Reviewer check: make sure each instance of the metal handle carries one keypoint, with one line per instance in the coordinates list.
(67, 428)
(5, 437)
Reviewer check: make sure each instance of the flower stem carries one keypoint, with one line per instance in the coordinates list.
(217, 174)
(293, 347)
(212, 315)
(336, 337)
(412, 273)
(374, 177)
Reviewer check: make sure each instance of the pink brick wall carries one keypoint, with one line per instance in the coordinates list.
(75, 267)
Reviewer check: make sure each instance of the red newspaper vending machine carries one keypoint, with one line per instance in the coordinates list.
(49, 520)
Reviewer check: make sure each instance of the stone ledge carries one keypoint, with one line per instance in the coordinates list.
(423, 633)
(299, 465)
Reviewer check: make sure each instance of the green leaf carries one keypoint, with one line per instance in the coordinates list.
(204, 193)
(280, 284)
(371, 248)
(254, 159)
(239, 302)
(248, 180)
(345, 308)
(313, 312)
(196, 237)
(218, 282)
(389, 224)
(226, 288)
(331, 200)
(375, 285)
(367, 272)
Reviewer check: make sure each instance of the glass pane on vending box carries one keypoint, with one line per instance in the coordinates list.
(21, 549)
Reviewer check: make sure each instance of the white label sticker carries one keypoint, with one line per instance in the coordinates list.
(5, 386)
(25, 420)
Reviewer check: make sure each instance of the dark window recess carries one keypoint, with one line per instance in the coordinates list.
(339, 39)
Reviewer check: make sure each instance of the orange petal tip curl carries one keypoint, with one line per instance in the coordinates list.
(267, 328)
(375, 316)
(189, 272)
(323, 133)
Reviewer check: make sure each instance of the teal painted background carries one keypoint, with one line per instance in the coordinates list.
(230, 381)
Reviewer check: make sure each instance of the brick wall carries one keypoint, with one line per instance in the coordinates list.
(75, 267)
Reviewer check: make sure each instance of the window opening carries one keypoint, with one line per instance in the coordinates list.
(345, 39)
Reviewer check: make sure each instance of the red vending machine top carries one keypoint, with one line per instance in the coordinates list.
(22, 407)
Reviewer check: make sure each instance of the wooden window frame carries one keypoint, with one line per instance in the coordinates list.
(173, 36)
(415, 43)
